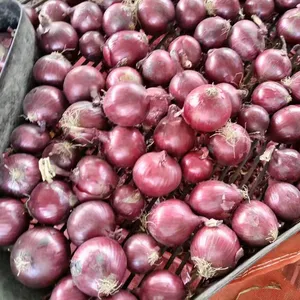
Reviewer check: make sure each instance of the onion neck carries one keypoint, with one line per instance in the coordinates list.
(44, 21)
(213, 223)
(242, 93)
(262, 27)
(104, 136)
(267, 155)
(173, 112)
(49, 170)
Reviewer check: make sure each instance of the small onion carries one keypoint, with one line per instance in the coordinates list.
(14, 220)
(287, 4)
(91, 45)
(98, 267)
(55, 10)
(142, 253)
(91, 219)
(292, 84)
(122, 295)
(263, 9)
(284, 199)
(226, 9)
(255, 223)
(105, 4)
(157, 174)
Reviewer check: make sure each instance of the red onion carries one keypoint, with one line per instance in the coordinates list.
(254, 118)
(91, 45)
(187, 50)
(123, 74)
(230, 145)
(224, 65)
(40, 257)
(284, 199)
(142, 252)
(157, 174)
(128, 202)
(159, 104)
(65, 289)
(122, 295)
(126, 104)
(164, 284)
(86, 16)
(125, 48)
(197, 166)
(212, 32)
(29, 138)
(215, 250)
(93, 179)
(255, 224)
(44, 105)
(91, 219)
(98, 267)
(57, 36)
(263, 9)
(159, 67)
(172, 222)
(207, 108)
(14, 220)
(62, 154)
(155, 15)
(173, 135)
(215, 199)
(83, 83)
(287, 4)
(55, 10)
(285, 165)
(226, 9)
(272, 64)
(32, 15)
(183, 83)
(189, 13)
(19, 174)
(105, 4)
(284, 125)
(271, 96)
(51, 203)
(235, 96)
(51, 69)
(118, 17)
(248, 38)
(292, 84)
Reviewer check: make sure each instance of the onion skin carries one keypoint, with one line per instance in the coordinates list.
(224, 65)
(284, 125)
(215, 199)
(292, 85)
(271, 95)
(14, 220)
(40, 257)
(196, 166)
(51, 69)
(65, 289)
(44, 105)
(228, 9)
(287, 4)
(125, 48)
(207, 108)
(19, 174)
(126, 104)
(231, 145)
(189, 13)
(225, 254)
(51, 203)
(285, 165)
(128, 202)
(91, 45)
(162, 283)
(104, 179)
(153, 65)
(263, 9)
(101, 222)
(122, 295)
(142, 253)
(95, 261)
(123, 74)
(187, 51)
(212, 32)
(172, 222)
(82, 83)
(155, 15)
(156, 174)
(272, 64)
(86, 16)
(32, 15)
(55, 10)
(284, 199)
(29, 138)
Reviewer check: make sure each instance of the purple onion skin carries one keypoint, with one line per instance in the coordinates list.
(55, 10)
(287, 4)
(29, 138)
(285, 165)
(228, 9)
(292, 85)
(122, 295)
(105, 4)
(263, 9)
(91, 45)
(14, 220)
(284, 199)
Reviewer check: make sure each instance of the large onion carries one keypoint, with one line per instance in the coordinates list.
(55, 10)
(263, 9)
(226, 9)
